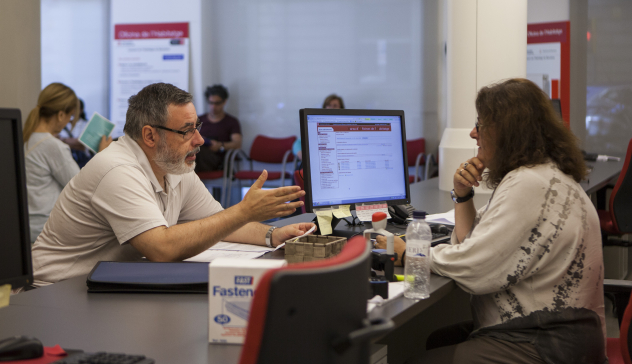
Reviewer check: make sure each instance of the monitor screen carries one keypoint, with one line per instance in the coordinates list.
(354, 156)
(15, 244)
(557, 106)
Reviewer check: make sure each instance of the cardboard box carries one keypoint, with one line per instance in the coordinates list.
(231, 286)
(313, 247)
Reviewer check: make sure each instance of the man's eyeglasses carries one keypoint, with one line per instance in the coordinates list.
(215, 103)
(478, 124)
(186, 134)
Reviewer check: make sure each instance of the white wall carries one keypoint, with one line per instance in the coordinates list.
(20, 59)
(545, 11)
(277, 57)
(75, 49)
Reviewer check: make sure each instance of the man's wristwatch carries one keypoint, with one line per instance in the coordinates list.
(221, 148)
(269, 237)
(465, 198)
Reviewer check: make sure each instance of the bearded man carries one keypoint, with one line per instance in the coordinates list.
(140, 198)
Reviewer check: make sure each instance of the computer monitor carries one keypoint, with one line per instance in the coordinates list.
(354, 156)
(557, 106)
(15, 244)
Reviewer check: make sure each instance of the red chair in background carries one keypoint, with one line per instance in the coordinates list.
(416, 149)
(618, 349)
(314, 312)
(298, 180)
(265, 150)
(214, 175)
(618, 219)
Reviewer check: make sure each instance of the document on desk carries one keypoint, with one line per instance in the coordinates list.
(365, 211)
(395, 289)
(446, 218)
(230, 250)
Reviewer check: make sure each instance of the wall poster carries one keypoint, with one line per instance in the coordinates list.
(143, 54)
(548, 60)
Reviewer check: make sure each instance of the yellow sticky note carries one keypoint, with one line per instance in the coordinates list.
(5, 293)
(342, 211)
(324, 221)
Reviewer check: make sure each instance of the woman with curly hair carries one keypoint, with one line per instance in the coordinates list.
(531, 257)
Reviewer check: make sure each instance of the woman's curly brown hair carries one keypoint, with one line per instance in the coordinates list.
(526, 131)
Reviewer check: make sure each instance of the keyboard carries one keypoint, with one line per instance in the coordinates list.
(104, 358)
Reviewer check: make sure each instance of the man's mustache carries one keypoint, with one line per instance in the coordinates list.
(193, 152)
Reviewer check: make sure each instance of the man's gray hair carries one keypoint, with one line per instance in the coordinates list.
(149, 107)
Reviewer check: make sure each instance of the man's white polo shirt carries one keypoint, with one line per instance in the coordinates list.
(115, 197)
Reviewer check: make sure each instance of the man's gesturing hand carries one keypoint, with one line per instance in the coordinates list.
(261, 205)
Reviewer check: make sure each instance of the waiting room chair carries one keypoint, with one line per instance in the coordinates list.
(617, 220)
(416, 150)
(618, 349)
(265, 150)
(314, 312)
(432, 166)
(223, 174)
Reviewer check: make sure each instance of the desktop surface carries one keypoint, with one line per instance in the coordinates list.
(173, 328)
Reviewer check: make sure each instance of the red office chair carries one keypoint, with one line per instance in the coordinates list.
(223, 174)
(314, 312)
(298, 180)
(618, 349)
(416, 157)
(265, 150)
(618, 219)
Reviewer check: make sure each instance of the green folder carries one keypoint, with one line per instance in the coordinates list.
(97, 127)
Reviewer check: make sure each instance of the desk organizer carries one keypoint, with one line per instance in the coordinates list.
(313, 247)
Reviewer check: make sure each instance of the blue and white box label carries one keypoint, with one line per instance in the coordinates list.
(232, 284)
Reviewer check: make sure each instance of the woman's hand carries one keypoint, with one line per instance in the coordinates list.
(467, 176)
(105, 141)
(399, 245)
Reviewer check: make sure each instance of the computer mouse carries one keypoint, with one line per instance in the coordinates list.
(20, 348)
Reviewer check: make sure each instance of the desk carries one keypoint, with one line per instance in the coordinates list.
(172, 328)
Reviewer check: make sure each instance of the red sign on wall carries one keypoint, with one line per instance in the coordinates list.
(151, 31)
(548, 60)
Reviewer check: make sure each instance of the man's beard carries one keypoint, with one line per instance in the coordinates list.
(169, 161)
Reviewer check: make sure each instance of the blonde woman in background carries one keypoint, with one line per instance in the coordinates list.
(48, 161)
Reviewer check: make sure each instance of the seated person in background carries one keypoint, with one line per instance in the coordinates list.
(70, 135)
(531, 257)
(220, 130)
(332, 101)
(139, 198)
(48, 162)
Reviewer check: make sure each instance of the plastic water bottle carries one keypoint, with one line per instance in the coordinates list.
(417, 268)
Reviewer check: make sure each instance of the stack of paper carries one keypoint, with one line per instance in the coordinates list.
(230, 250)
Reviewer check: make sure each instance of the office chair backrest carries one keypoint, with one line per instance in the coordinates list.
(298, 311)
(271, 150)
(414, 148)
(621, 197)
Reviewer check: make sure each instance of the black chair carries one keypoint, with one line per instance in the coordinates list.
(314, 312)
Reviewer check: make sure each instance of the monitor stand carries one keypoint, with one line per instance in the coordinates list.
(343, 227)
